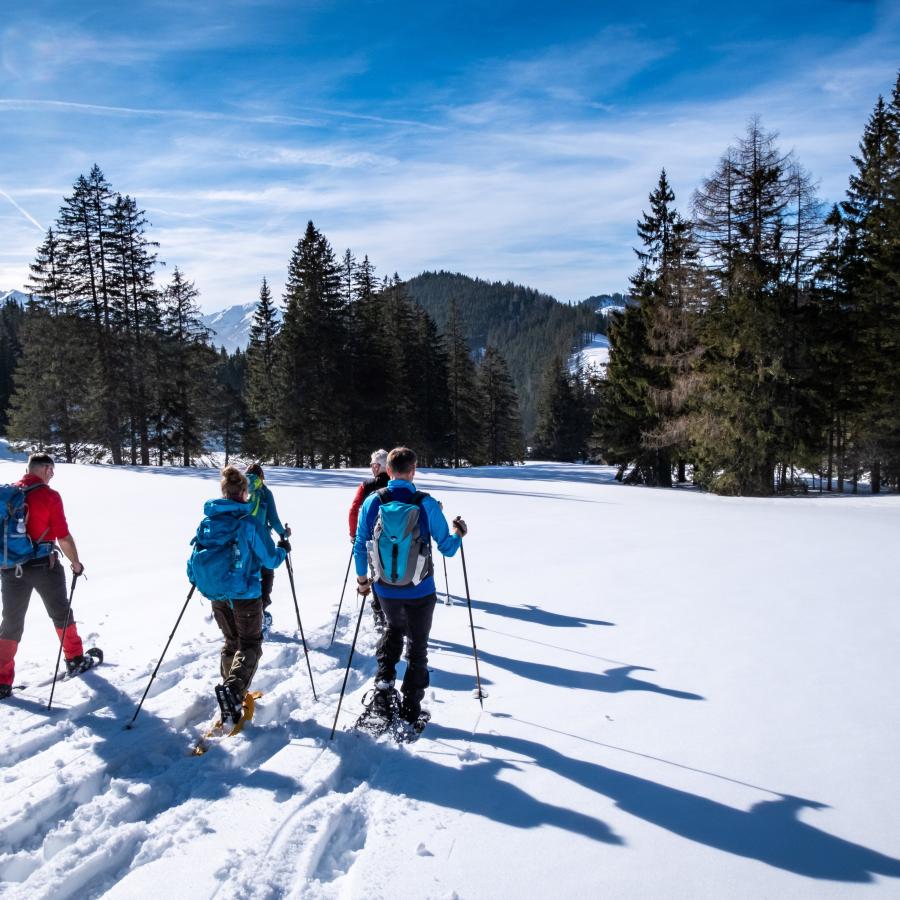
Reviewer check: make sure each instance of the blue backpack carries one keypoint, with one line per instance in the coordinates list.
(402, 546)
(220, 565)
(18, 547)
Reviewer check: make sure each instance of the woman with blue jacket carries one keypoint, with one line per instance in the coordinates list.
(230, 552)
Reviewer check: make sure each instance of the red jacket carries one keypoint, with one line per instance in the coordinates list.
(363, 491)
(46, 518)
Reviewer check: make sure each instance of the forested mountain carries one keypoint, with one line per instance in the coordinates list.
(529, 328)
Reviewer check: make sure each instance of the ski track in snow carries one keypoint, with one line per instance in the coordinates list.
(109, 800)
(90, 809)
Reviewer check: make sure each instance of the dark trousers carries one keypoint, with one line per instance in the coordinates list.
(410, 619)
(49, 580)
(268, 580)
(241, 624)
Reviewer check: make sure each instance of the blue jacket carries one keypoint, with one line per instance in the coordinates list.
(436, 525)
(262, 506)
(230, 519)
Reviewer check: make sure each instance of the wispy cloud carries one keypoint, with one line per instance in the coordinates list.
(533, 165)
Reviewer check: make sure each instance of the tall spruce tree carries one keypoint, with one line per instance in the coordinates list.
(749, 404)
(189, 360)
(85, 231)
(466, 436)
(872, 217)
(564, 418)
(312, 405)
(260, 437)
(502, 424)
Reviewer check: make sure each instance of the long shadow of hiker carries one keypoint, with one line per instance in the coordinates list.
(529, 612)
(769, 831)
(481, 789)
(612, 681)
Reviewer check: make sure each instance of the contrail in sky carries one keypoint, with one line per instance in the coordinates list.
(24, 212)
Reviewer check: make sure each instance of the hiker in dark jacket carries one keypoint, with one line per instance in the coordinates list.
(229, 520)
(46, 525)
(408, 608)
(369, 486)
(263, 509)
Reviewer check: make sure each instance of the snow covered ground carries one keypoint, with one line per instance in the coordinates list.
(690, 697)
(594, 357)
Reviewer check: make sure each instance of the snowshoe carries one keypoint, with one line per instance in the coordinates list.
(230, 703)
(79, 664)
(217, 730)
(406, 732)
(267, 624)
(381, 709)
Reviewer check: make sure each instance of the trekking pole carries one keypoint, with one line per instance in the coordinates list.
(341, 601)
(447, 600)
(362, 609)
(290, 569)
(162, 656)
(472, 626)
(62, 637)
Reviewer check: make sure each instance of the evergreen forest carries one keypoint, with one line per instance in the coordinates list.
(758, 349)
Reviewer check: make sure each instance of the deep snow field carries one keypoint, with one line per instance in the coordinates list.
(689, 697)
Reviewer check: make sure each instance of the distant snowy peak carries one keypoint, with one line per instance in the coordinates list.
(20, 297)
(230, 328)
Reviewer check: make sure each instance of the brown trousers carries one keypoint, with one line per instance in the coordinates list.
(241, 624)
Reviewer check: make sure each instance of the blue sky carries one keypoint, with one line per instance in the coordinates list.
(505, 140)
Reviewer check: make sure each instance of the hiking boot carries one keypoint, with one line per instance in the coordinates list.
(78, 664)
(231, 702)
(410, 710)
(5, 691)
(381, 701)
(267, 624)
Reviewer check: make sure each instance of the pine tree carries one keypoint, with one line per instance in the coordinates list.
(503, 442)
(466, 437)
(312, 407)
(872, 216)
(132, 263)
(564, 419)
(260, 438)
(744, 215)
(85, 232)
(188, 362)
(228, 411)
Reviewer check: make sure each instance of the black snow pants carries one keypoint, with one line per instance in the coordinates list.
(410, 619)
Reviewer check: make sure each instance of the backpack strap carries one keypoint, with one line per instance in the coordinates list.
(418, 497)
(384, 494)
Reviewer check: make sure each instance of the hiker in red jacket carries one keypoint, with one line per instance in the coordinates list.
(378, 465)
(47, 527)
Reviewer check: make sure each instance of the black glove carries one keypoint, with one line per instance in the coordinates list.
(287, 531)
(285, 545)
(460, 526)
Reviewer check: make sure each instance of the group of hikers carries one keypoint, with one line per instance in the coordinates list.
(392, 526)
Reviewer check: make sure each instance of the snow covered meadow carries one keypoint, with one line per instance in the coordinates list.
(689, 696)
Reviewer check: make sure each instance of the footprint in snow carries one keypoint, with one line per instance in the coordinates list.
(422, 850)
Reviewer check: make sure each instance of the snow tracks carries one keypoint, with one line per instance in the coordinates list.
(90, 809)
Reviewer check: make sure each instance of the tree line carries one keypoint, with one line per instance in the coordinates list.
(762, 339)
(105, 363)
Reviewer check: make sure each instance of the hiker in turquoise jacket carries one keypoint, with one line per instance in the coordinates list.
(409, 607)
(262, 507)
(233, 581)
